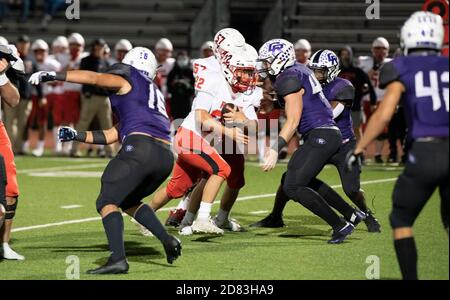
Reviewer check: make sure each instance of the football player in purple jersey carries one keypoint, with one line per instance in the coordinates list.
(340, 92)
(309, 113)
(145, 159)
(419, 81)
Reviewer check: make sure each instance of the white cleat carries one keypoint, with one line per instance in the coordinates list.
(186, 230)
(10, 254)
(206, 226)
(38, 152)
(230, 224)
(144, 231)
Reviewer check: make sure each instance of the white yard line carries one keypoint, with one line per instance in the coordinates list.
(246, 198)
(62, 168)
(71, 206)
(258, 212)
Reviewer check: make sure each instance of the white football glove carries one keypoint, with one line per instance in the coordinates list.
(42, 76)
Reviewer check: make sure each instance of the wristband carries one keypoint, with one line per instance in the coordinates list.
(61, 76)
(81, 136)
(280, 145)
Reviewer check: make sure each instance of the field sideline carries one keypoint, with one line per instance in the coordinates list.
(56, 218)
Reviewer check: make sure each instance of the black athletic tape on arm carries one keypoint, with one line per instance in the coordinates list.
(99, 137)
(61, 76)
(81, 136)
(280, 145)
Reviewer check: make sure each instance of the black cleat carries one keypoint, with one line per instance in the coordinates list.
(340, 235)
(357, 217)
(119, 267)
(172, 246)
(372, 223)
(269, 222)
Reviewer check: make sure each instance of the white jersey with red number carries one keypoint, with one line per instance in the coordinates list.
(163, 72)
(63, 59)
(213, 92)
(366, 63)
(50, 64)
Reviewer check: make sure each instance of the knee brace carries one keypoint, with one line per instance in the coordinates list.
(11, 209)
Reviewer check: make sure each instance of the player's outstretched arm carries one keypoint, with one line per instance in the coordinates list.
(108, 81)
(293, 111)
(98, 137)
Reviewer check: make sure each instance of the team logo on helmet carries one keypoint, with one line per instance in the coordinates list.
(275, 47)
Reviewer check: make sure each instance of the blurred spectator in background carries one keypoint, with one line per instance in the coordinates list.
(15, 119)
(51, 7)
(72, 91)
(360, 81)
(207, 49)
(42, 106)
(163, 54)
(180, 84)
(94, 102)
(371, 65)
(302, 51)
(26, 5)
(4, 10)
(121, 48)
(60, 52)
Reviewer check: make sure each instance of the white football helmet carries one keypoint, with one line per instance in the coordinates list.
(164, 44)
(423, 30)
(76, 38)
(39, 44)
(276, 55)
(325, 61)
(3, 41)
(142, 59)
(226, 41)
(240, 69)
(123, 45)
(60, 41)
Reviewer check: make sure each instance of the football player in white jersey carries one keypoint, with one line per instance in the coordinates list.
(219, 80)
(60, 53)
(42, 106)
(163, 53)
(246, 105)
(371, 65)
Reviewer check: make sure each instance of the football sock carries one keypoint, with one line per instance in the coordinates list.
(147, 218)
(205, 211)
(317, 205)
(360, 201)
(113, 224)
(407, 257)
(281, 199)
(222, 216)
(332, 198)
(188, 218)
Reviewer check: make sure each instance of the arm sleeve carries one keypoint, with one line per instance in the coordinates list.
(346, 94)
(121, 70)
(388, 74)
(286, 85)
